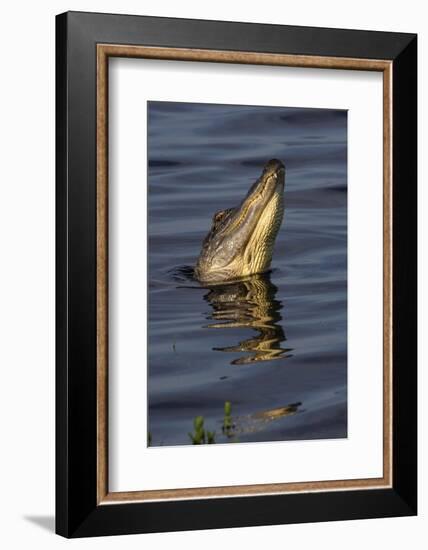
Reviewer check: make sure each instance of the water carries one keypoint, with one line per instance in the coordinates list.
(274, 346)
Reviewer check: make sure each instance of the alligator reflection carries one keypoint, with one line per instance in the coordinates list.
(249, 303)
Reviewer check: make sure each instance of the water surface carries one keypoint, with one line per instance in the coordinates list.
(274, 345)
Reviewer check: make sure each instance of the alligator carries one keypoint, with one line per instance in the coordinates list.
(241, 239)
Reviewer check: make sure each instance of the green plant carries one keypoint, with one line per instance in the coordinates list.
(210, 437)
(200, 436)
(227, 420)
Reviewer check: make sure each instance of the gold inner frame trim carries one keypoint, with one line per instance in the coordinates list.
(104, 51)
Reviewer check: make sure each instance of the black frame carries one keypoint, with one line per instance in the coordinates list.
(77, 513)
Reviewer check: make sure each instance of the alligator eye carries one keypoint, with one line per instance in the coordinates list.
(219, 216)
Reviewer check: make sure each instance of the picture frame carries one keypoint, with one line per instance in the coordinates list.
(84, 44)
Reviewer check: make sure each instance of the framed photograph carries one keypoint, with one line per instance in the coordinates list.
(236, 274)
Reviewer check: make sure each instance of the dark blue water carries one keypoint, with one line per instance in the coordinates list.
(274, 346)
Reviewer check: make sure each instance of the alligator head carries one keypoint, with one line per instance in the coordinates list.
(241, 239)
